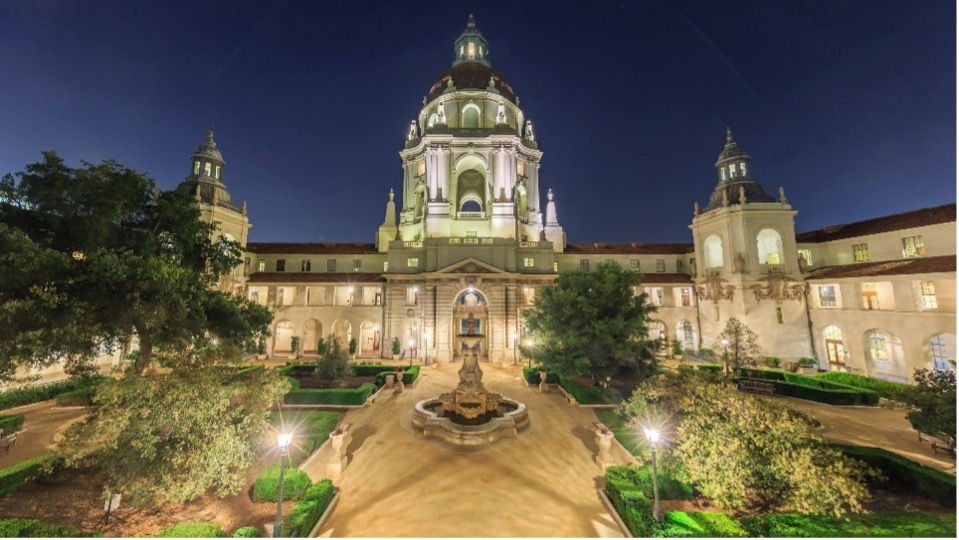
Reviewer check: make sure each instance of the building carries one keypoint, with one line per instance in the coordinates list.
(472, 238)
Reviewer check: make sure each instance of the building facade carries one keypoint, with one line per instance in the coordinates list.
(472, 234)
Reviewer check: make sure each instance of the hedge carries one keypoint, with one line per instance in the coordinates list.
(12, 478)
(918, 479)
(35, 394)
(248, 532)
(821, 389)
(295, 484)
(308, 511)
(631, 504)
(887, 389)
(531, 376)
(371, 370)
(77, 398)
(698, 525)
(11, 423)
(193, 530)
(885, 525)
(330, 396)
(710, 367)
(33, 528)
(641, 478)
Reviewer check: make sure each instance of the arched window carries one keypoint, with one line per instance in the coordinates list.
(835, 349)
(206, 169)
(432, 120)
(471, 114)
(878, 347)
(196, 167)
(942, 350)
(714, 251)
(770, 247)
(470, 205)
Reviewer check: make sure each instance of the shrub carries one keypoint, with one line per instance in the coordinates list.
(811, 388)
(631, 504)
(331, 396)
(807, 362)
(12, 478)
(706, 352)
(34, 394)
(248, 532)
(772, 361)
(33, 528)
(641, 478)
(396, 346)
(887, 389)
(411, 374)
(308, 511)
(531, 376)
(77, 398)
(10, 423)
(624, 433)
(698, 525)
(896, 524)
(370, 370)
(295, 484)
(716, 368)
(193, 530)
(921, 480)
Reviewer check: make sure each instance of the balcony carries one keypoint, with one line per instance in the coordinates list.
(471, 215)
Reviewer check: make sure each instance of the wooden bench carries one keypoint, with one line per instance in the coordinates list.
(757, 387)
(937, 444)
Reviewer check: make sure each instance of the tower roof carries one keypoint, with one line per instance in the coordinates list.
(731, 150)
(730, 184)
(471, 68)
(208, 149)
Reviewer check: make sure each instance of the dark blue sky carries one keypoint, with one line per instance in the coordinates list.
(848, 104)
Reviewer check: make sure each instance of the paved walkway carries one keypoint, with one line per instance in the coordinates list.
(42, 429)
(543, 483)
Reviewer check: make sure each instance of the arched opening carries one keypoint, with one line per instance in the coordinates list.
(658, 335)
(283, 337)
(432, 120)
(884, 358)
(470, 203)
(343, 331)
(470, 316)
(714, 251)
(471, 187)
(835, 349)
(369, 339)
(312, 331)
(770, 247)
(522, 207)
(419, 201)
(940, 351)
(685, 334)
(471, 116)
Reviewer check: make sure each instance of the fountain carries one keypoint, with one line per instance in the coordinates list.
(469, 415)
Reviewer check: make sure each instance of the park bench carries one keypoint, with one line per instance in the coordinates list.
(6, 443)
(757, 387)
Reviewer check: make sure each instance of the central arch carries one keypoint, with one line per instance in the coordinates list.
(471, 313)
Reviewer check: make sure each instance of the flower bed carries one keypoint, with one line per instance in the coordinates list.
(312, 429)
(330, 396)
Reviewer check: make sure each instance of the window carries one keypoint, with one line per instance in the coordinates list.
(412, 295)
(655, 295)
(246, 266)
(686, 296)
(471, 114)
(357, 264)
(255, 296)
(769, 245)
(722, 174)
(196, 167)
(315, 296)
(471, 47)
(206, 169)
(305, 265)
(371, 296)
(679, 266)
(520, 168)
(471, 234)
(878, 352)
(555, 266)
(331, 265)
(912, 246)
(421, 167)
(217, 175)
(281, 265)
(806, 255)
(732, 170)
(413, 262)
(284, 296)
(928, 292)
(261, 265)
(528, 262)
(827, 296)
(860, 252)
(742, 169)
(937, 349)
(584, 265)
(870, 296)
(660, 265)
(386, 266)
(529, 296)
(714, 252)
(634, 265)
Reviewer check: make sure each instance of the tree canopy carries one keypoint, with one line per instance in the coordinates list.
(97, 255)
(593, 323)
(933, 403)
(741, 348)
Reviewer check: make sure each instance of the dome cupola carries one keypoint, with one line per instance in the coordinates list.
(204, 183)
(471, 46)
(734, 173)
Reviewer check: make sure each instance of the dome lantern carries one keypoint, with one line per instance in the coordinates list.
(471, 46)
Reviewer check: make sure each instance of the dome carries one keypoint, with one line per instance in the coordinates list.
(208, 149)
(473, 76)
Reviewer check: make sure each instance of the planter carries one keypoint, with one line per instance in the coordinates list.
(396, 357)
(543, 387)
(808, 370)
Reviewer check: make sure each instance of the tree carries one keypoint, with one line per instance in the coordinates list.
(933, 403)
(593, 323)
(740, 450)
(741, 347)
(97, 255)
(169, 437)
(333, 364)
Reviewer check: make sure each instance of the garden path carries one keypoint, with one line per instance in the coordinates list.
(43, 425)
(543, 483)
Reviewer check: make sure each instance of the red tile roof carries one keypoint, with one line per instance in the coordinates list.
(895, 222)
(315, 277)
(920, 265)
(633, 248)
(321, 248)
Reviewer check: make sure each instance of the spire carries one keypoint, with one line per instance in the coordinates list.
(471, 46)
(729, 135)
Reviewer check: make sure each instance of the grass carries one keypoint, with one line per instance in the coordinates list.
(626, 436)
(887, 525)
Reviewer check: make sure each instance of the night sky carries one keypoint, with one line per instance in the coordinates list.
(848, 104)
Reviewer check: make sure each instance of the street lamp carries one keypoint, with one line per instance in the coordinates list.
(426, 347)
(726, 355)
(515, 343)
(412, 342)
(283, 441)
(653, 436)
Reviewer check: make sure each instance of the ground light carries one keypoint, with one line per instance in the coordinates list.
(283, 441)
(653, 436)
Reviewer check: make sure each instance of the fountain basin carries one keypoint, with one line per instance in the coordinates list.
(510, 417)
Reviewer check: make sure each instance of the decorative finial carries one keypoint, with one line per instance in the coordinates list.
(725, 198)
(471, 23)
(729, 135)
(500, 111)
(391, 194)
(742, 195)
(782, 195)
(549, 194)
(210, 134)
(243, 208)
(529, 130)
(412, 134)
(695, 208)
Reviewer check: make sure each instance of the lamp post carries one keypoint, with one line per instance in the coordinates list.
(412, 342)
(426, 347)
(283, 441)
(653, 436)
(726, 356)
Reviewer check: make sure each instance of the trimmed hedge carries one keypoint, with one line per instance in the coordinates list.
(307, 512)
(36, 394)
(715, 368)
(698, 525)
(330, 396)
(919, 479)
(885, 525)
(34, 528)
(248, 532)
(193, 530)
(12, 478)
(811, 388)
(295, 484)
(531, 376)
(77, 398)
(11, 423)
(631, 504)
(642, 479)
(887, 389)
(371, 370)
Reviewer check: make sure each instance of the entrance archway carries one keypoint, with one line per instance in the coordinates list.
(312, 332)
(369, 339)
(835, 349)
(471, 314)
(283, 342)
(343, 332)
